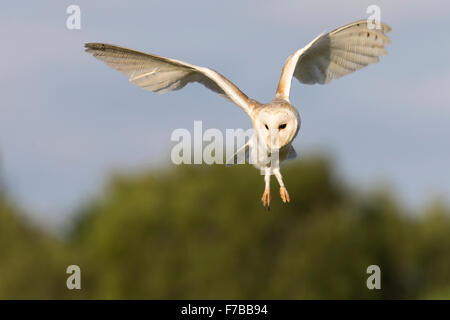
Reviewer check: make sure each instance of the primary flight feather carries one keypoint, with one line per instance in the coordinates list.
(329, 56)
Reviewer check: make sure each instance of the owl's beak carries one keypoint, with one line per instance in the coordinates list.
(272, 140)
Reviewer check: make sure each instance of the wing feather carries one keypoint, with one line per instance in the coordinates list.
(333, 55)
(161, 75)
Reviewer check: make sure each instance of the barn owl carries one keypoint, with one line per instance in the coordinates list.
(329, 56)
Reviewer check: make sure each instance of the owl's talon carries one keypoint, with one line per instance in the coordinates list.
(284, 195)
(266, 199)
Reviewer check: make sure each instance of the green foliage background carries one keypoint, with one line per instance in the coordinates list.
(201, 233)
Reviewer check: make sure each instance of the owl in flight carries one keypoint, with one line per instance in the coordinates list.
(329, 56)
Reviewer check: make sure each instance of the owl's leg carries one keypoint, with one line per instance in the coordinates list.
(266, 195)
(283, 191)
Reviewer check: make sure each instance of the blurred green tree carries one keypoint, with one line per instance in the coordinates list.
(32, 263)
(200, 232)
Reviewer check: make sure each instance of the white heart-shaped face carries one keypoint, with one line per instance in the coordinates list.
(276, 125)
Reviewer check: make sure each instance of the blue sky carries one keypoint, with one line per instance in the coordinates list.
(67, 121)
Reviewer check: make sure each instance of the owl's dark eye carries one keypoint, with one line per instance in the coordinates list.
(282, 126)
(266, 126)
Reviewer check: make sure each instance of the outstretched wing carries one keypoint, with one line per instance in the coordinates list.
(335, 54)
(161, 75)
